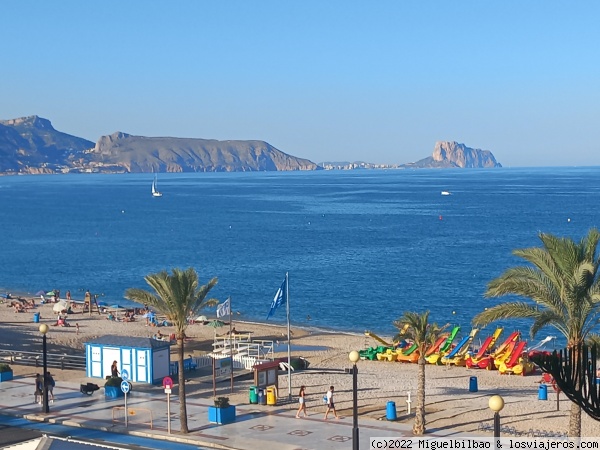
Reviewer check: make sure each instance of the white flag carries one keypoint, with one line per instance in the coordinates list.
(224, 309)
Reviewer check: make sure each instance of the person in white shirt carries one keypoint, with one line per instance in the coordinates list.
(330, 403)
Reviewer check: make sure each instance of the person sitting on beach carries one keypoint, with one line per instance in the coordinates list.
(18, 306)
(110, 317)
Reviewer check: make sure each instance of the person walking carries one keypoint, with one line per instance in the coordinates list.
(39, 388)
(50, 383)
(302, 401)
(330, 404)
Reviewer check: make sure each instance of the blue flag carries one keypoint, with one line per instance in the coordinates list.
(280, 299)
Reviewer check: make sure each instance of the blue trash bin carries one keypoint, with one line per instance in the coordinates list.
(262, 398)
(543, 392)
(473, 384)
(391, 411)
(36, 317)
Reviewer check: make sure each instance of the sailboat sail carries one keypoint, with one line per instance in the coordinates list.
(155, 192)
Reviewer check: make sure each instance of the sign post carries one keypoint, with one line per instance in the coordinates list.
(168, 384)
(125, 389)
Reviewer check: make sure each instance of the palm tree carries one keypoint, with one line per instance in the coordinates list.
(563, 288)
(424, 334)
(176, 296)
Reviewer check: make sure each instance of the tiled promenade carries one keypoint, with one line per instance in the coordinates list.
(257, 427)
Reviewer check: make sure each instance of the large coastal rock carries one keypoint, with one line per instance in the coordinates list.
(448, 154)
(168, 154)
(32, 145)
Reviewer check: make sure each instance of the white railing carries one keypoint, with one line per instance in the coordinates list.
(239, 362)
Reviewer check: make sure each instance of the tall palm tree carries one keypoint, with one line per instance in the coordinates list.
(562, 284)
(424, 334)
(176, 295)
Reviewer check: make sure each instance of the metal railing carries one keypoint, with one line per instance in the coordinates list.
(35, 359)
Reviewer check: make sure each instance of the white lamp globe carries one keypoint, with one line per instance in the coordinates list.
(496, 403)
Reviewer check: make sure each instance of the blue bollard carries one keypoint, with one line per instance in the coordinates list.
(473, 384)
(543, 392)
(391, 411)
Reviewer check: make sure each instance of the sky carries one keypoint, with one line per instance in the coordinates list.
(327, 80)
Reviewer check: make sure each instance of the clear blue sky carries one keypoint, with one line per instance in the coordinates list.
(378, 81)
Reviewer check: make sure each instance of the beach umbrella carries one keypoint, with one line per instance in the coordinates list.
(216, 324)
(50, 293)
(60, 306)
(201, 319)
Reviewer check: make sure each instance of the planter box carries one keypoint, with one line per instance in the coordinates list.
(113, 392)
(221, 415)
(6, 376)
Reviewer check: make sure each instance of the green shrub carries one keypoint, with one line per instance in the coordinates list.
(114, 382)
(221, 402)
(5, 367)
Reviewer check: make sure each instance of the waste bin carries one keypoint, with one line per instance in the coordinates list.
(36, 317)
(390, 412)
(271, 396)
(262, 400)
(473, 384)
(543, 392)
(253, 394)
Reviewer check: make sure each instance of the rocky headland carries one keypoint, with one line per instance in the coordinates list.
(31, 145)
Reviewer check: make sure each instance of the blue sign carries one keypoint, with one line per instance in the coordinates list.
(124, 375)
(125, 386)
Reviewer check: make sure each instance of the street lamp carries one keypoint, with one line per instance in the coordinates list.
(354, 357)
(496, 403)
(44, 329)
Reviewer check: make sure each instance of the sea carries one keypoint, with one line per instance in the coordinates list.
(360, 247)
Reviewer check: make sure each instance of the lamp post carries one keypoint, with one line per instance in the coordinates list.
(496, 403)
(44, 329)
(354, 357)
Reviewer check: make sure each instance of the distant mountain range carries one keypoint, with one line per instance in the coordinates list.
(31, 145)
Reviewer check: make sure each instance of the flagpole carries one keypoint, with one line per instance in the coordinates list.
(287, 296)
(230, 347)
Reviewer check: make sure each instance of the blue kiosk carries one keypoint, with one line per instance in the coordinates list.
(146, 360)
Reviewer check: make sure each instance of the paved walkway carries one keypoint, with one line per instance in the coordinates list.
(256, 427)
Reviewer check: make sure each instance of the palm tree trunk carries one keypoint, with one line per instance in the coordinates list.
(182, 404)
(419, 424)
(575, 421)
(577, 362)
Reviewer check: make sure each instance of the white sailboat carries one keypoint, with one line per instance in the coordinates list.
(155, 192)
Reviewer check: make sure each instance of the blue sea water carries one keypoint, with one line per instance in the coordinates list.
(361, 247)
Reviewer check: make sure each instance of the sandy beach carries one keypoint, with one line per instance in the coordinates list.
(449, 404)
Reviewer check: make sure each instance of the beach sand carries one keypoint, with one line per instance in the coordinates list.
(449, 404)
